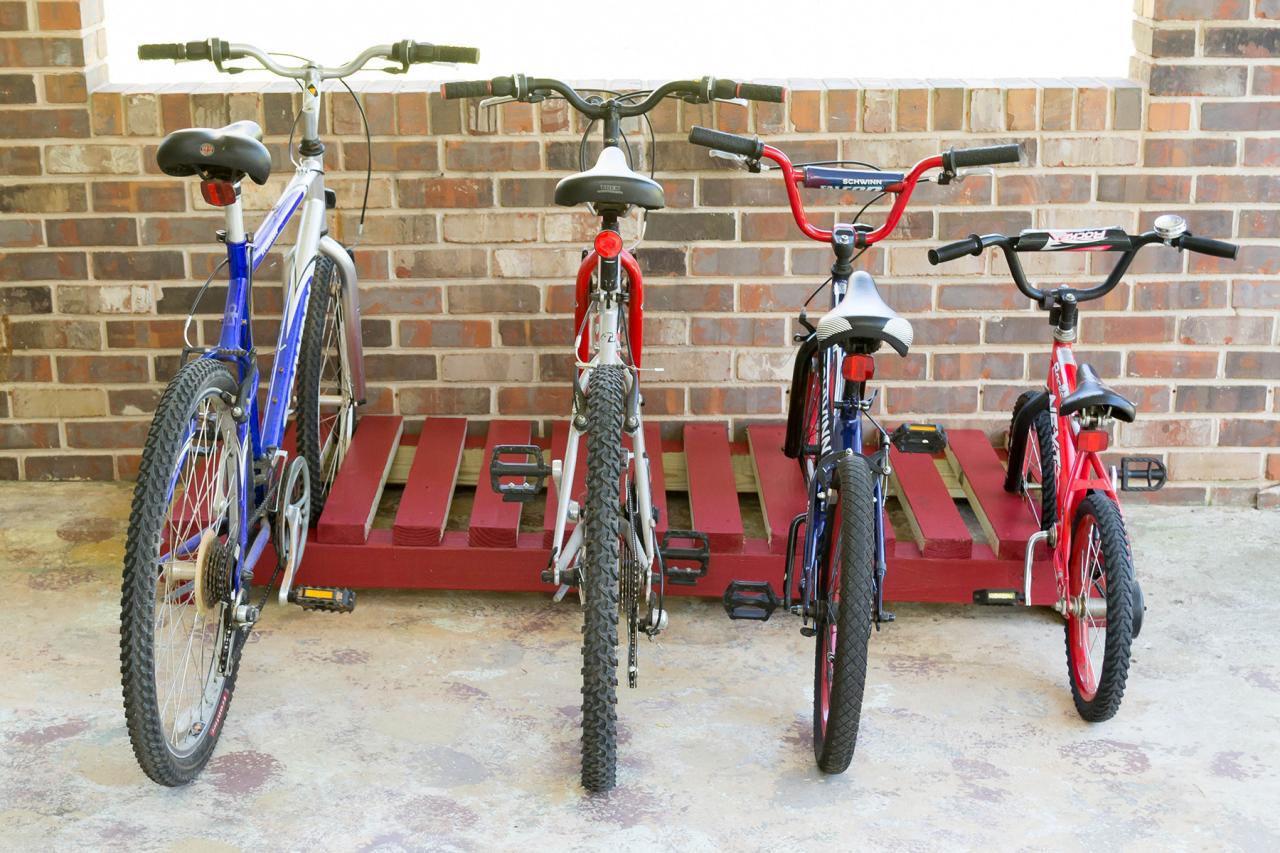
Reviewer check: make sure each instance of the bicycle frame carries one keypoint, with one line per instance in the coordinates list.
(598, 337)
(261, 432)
(1083, 469)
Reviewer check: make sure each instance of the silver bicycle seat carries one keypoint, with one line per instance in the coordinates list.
(862, 314)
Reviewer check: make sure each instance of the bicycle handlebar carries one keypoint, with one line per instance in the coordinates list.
(523, 88)
(1081, 240)
(217, 51)
(902, 185)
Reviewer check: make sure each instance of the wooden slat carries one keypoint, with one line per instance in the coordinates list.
(559, 445)
(353, 499)
(424, 506)
(1004, 516)
(713, 495)
(778, 482)
(494, 522)
(936, 525)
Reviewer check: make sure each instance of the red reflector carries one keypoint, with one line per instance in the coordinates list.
(218, 193)
(1092, 440)
(608, 244)
(859, 367)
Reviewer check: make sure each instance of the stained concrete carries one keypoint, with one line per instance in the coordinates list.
(449, 721)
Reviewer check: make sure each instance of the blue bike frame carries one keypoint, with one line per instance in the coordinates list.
(835, 438)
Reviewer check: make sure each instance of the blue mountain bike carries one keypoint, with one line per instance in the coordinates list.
(216, 483)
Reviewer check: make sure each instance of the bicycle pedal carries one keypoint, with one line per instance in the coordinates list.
(1142, 474)
(753, 600)
(998, 597)
(695, 553)
(534, 473)
(919, 438)
(330, 599)
(567, 578)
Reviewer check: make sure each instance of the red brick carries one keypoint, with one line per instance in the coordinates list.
(1183, 80)
(43, 198)
(396, 156)
(1251, 260)
(1255, 294)
(138, 196)
(63, 15)
(954, 226)
(1253, 365)
(116, 231)
(806, 110)
(124, 266)
(20, 160)
(1221, 398)
(476, 156)
(115, 434)
(1221, 331)
(738, 331)
(445, 333)
(445, 193)
(736, 261)
(67, 467)
(1129, 329)
(1240, 115)
(1144, 188)
(42, 266)
(535, 400)
(1149, 364)
(99, 369)
(1262, 152)
(991, 365)
(441, 263)
(735, 400)
(1251, 42)
(144, 334)
(1043, 189)
(1266, 80)
(28, 436)
(980, 297)
(13, 16)
(1166, 295)
(17, 89)
(1199, 10)
(1239, 432)
(1258, 189)
(536, 332)
(1258, 223)
(932, 399)
(443, 401)
(1189, 152)
(948, 108)
(66, 88)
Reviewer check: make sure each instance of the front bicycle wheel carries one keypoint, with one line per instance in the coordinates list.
(845, 611)
(178, 596)
(606, 392)
(1100, 609)
(325, 405)
(1040, 468)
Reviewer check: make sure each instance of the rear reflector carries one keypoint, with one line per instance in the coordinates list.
(1092, 440)
(218, 193)
(608, 244)
(858, 367)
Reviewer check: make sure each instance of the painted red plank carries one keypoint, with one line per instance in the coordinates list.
(1004, 516)
(778, 481)
(494, 522)
(713, 495)
(353, 499)
(937, 526)
(424, 506)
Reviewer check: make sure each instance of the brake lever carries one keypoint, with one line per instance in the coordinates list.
(497, 101)
(960, 174)
(747, 164)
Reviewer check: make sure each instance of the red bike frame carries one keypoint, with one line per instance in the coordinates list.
(635, 304)
(1077, 457)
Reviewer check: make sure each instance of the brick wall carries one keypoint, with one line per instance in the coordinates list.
(466, 267)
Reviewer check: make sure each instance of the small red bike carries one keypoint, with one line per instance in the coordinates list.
(1055, 439)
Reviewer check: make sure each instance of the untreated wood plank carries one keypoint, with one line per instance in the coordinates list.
(495, 523)
(424, 506)
(779, 482)
(936, 525)
(1004, 517)
(713, 494)
(353, 498)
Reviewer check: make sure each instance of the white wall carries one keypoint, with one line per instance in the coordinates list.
(657, 39)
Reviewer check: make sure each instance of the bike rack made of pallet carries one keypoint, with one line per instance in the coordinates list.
(936, 558)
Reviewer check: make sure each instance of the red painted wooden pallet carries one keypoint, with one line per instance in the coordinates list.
(933, 555)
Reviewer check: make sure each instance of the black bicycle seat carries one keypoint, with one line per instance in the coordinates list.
(225, 153)
(1093, 392)
(610, 182)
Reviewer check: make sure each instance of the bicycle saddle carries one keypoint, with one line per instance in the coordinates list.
(1091, 391)
(862, 314)
(610, 183)
(227, 153)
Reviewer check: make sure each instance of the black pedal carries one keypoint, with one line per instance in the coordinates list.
(998, 597)
(752, 600)
(919, 438)
(330, 599)
(569, 577)
(694, 555)
(529, 466)
(1142, 474)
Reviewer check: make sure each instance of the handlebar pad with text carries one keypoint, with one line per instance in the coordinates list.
(747, 146)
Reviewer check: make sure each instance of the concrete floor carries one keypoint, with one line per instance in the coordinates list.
(449, 721)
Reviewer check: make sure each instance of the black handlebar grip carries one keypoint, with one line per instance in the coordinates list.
(1205, 246)
(747, 146)
(444, 53)
(965, 157)
(161, 51)
(498, 86)
(726, 89)
(971, 245)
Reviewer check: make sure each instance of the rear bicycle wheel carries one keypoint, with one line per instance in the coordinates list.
(324, 405)
(178, 594)
(845, 614)
(1100, 620)
(606, 392)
